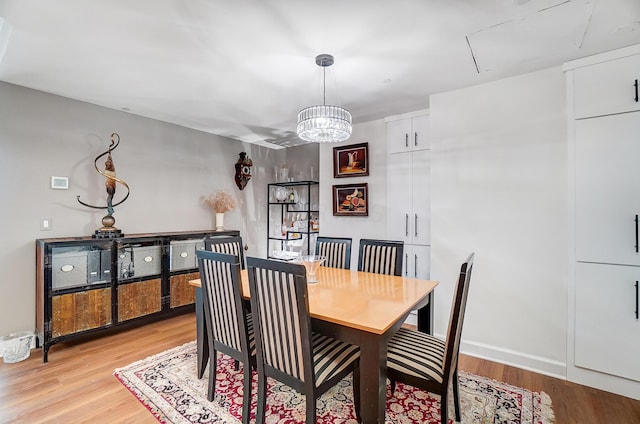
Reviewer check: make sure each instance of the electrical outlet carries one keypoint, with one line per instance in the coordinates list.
(45, 224)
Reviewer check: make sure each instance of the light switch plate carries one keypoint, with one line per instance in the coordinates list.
(60, 183)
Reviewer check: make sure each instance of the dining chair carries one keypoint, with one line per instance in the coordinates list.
(428, 363)
(229, 326)
(381, 256)
(228, 245)
(337, 250)
(287, 349)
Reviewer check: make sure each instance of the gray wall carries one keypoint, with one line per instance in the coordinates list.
(169, 168)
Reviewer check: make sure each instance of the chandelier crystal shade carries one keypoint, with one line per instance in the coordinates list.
(324, 123)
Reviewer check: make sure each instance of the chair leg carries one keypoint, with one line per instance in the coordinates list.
(356, 392)
(393, 386)
(456, 396)
(262, 398)
(236, 364)
(246, 398)
(212, 375)
(444, 407)
(311, 408)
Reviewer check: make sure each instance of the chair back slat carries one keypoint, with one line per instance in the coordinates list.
(219, 275)
(380, 256)
(282, 307)
(337, 250)
(227, 245)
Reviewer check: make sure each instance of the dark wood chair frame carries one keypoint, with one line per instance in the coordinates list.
(308, 386)
(399, 245)
(244, 355)
(338, 240)
(452, 350)
(208, 242)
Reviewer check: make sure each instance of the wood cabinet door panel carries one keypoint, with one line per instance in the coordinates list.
(80, 311)
(183, 293)
(400, 195)
(607, 87)
(607, 189)
(607, 333)
(139, 299)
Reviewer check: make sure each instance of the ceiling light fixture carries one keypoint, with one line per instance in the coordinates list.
(322, 123)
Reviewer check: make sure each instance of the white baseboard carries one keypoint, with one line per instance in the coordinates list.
(537, 364)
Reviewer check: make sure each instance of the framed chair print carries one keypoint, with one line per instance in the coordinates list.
(351, 200)
(351, 161)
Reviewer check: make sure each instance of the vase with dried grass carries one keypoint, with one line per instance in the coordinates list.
(221, 202)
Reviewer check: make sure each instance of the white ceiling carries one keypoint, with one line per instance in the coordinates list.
(243, 69)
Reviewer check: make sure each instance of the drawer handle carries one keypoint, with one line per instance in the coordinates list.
(636, 85)
(415, 137)
(415, 225)
(415, 266)
(184, 254)
(637, 300)
(67, 268)
(406, 140)
(148, 258)
(636, 246)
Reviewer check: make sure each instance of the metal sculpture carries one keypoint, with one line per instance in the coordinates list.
(109, 172)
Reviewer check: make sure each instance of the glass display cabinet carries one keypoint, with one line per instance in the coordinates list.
(292, 219)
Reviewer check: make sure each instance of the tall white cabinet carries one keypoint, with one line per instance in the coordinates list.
(604, 140)
(408, 188)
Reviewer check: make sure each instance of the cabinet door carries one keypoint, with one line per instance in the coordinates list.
(417, 261)
(399, 136)
(420, 132)
(607, 189)
(400, 196)
(420, 220)
(607, 332)
(607, 88)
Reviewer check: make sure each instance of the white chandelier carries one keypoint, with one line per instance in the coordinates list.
(322, 123)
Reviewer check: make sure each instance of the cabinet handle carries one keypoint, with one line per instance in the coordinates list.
(415, 271)
(636, 246)
(415, 134)
(415, 225)
(636, 85)
(406, 224)
(406, 140)
(406, 264)
(637, 301)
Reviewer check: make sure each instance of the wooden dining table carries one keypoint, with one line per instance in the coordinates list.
(361, 308)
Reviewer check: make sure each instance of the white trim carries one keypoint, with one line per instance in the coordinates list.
(537, 364)
(602, 57)
(406, 115)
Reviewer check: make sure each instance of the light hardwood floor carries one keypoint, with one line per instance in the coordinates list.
(77, 384)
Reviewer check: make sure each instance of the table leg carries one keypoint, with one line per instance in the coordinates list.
(201, 334)
(425, 316)
(373, 379)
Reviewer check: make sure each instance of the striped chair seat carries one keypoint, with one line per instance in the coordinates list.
(331, 357)
(415, 353)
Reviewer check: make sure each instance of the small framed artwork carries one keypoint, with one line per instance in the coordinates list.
(351, 161)
(351, 200)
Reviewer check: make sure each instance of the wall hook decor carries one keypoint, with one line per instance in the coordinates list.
(243, 171)
(108, 230)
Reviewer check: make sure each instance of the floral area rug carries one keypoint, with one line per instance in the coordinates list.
(167, 385)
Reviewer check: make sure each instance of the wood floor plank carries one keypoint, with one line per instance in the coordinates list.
(77, 384)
